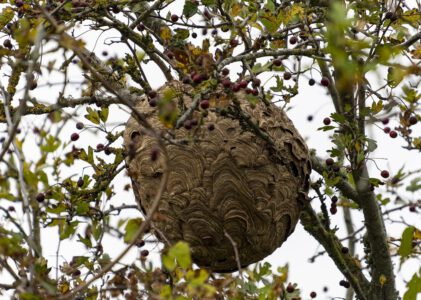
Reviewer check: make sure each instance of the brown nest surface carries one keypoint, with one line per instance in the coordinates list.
(240, 185)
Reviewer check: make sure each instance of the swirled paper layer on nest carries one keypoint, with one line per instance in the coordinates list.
(225, 182)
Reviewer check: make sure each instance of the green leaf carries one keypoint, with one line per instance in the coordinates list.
(414, 185)
(82, 208)
(414, 288)
(179, 253)
(181, 34)
(67, 229)
(190, 8)
(51, 144)
(405, 248)
(92, 115)
(6, 16)
(103, 114)
(131, 228)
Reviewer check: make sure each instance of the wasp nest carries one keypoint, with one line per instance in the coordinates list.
(237, 179)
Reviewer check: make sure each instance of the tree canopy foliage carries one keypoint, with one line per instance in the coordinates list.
(366, 54)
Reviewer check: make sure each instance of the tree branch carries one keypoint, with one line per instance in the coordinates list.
(344, 262)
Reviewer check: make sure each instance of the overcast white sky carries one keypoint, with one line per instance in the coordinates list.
(300, 246)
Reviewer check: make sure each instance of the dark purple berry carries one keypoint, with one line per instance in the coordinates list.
(225, 71)
(325, 81)
(80, 182)
(243, 84)
(287, 75)
(40, 197)
(413, 120)
(393, 134)
(326, 121)
(174, 18)
(152, 94)
(74, 137)
(79, 125)
(140, 27)
(277, 62)
(211, 126)
(385, 121)
(204, 104)
(293, 40)
(386, 129)
(311, 82)
(384, 174)
(330, 161)
(226, 83)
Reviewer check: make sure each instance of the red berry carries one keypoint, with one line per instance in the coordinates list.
(40, 197)
(326, 121)
(413, 120)
(225, 71)
(325, 81)
(170, 55)
(187, 124)
(293, 40)
(385, 121)
(255, 92)
(313, 295)
(7, 44)
(207, 14)
(204, 104)
(330, 161)
(100, 147)
(384, 174)
(290, 288)
(144, 253)
(386, 129)
(236, 87)
(277, 62)
(74, 137)
(197, 78)
(287, 75)
(311, 82)
(226, 83)
(256, 82)
(234, 43)
(154, 153)
(186, 80)
(393, 134)
(174, 18)
(249, 91)
(243, 84)
(79, 125)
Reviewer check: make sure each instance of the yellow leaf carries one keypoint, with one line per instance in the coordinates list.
(165, 33)
(417, 234)
(235, 9)
(382, 280)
